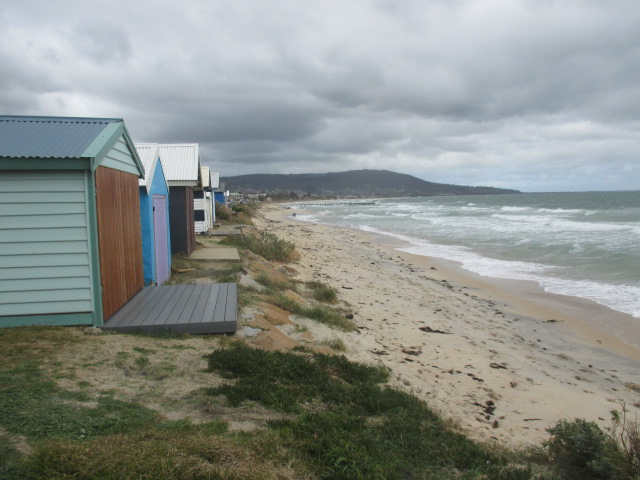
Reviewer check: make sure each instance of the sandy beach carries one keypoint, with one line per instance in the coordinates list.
(504, 361)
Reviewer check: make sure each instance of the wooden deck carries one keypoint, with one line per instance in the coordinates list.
(194, 309)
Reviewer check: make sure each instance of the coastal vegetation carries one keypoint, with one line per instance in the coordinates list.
(238, 214)
(82, 404)
(323, 292)
(265, 244)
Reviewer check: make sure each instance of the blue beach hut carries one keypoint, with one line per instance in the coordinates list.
(221, 195)
(154, 216)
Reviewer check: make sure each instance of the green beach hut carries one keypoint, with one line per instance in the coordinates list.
(70, 240)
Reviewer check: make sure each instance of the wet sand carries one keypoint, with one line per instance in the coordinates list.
(503, 360)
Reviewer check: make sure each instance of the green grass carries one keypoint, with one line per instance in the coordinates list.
(284, 380)
(321, 313)
(91, 435)
(9, 458)
(152, 454)
(323, 292)
(274, 285)
(336, 344)
(24, 343)
(343, 424)
(332, 419)
(246, 296)
(229, 274)
(33, 406)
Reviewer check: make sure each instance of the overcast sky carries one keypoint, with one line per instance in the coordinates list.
(538, 95)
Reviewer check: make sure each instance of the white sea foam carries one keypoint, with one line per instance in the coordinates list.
(559, 210)
(515, 209)
(619, 297)
(307, 218)
(553, 240)
(623, 298)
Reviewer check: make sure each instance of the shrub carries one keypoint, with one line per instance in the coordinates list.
(222, 212)
(336, 344)
(626, 434)
(322, 292)
(243, 218)
(267, 245)
(321, 313)
(247, 208)
(580, 449)
(329, 316)
(274, 285)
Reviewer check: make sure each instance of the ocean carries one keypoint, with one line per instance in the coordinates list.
(579, 244)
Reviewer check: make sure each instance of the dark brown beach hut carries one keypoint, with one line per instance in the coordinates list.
(181, 165)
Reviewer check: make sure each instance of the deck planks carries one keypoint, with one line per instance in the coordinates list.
(193, 309)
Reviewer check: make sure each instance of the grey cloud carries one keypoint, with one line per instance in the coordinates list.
(516, 93)
(101, 42)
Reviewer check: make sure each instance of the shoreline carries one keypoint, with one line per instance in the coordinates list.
(502, 368)
(582, 316)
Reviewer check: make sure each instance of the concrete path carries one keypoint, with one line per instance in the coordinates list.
(215, 253)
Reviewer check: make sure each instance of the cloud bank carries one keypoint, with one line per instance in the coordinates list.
(536, 95)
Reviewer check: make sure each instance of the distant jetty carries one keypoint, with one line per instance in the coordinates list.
(330, 203)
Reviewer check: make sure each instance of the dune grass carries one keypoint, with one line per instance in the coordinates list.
(265, 244)
(320, 313)
(323, 292)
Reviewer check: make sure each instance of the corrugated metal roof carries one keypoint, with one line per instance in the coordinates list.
(180, 161)
(49, 137)
(215, 180)
(148, 153)
(206, 179)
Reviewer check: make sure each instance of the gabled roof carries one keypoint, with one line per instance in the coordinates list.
(49, 138)
(206, 177)
(148, 153)
(215, 180)
(181, 163)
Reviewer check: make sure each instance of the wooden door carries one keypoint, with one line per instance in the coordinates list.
(161, 240)
(119, 236)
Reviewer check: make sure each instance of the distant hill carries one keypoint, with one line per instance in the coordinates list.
(354, 183)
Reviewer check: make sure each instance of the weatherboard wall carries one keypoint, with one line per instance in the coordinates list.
(202, 211)
(158, 187)
(219, 197)
(45, 250)
(120, 158)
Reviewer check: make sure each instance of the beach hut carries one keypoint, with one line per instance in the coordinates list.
(70, 241)
(221, 195)
(215, 185)
(181, 165)
(154, 216)
(203, 203)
